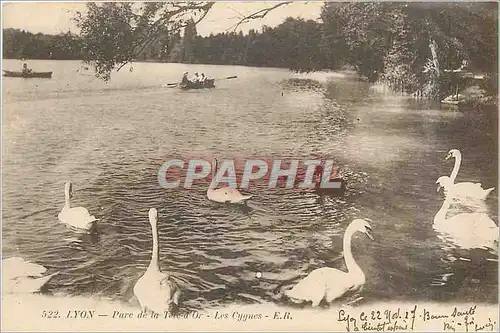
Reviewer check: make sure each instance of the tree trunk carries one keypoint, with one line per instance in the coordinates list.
(433, 81)
(433, 46)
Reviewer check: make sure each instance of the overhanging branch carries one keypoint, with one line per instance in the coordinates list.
(260, 14)
(155, 29)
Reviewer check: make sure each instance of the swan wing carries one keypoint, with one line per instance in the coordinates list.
(77, 216)
(468, 184)
(233, 192)
(236, 195)
(26, 284)
(468, 187)
(471, 190)
(169, 289)
(320, 283)
(227, 194)
(16, 266)
(83, 213)
(339, 283)
(156, 291)
(311, 288)
(141, 290)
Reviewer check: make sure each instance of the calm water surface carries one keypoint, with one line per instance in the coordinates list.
(110, 139)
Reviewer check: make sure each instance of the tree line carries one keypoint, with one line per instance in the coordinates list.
(20, 44)
(293, 44)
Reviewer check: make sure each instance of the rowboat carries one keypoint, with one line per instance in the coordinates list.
(454, 99)
(27, 75)
(209, 83)
(450, 102)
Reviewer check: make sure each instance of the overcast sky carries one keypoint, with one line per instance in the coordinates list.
(54, 18)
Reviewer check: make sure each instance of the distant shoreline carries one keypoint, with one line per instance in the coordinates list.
(343, 70)
(475, 99)
(164, 62)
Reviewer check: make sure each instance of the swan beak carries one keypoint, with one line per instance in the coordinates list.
(368, 233)
(447, 157)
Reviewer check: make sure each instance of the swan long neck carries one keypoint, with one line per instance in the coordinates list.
(441, 214)
(67, 203)
(213, 171)
(155, 263)
(351, 264)
(456, 167)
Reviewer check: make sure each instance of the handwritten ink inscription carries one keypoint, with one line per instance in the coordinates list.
(415, 318)
(380, 320)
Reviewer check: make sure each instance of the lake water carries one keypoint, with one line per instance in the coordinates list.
(110, 140)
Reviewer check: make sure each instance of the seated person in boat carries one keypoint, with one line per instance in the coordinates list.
(185, 79)
(26, 69)
(196, 78)
(203, 77)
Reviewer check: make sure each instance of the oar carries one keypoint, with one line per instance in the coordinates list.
(227, 78)
(170, 85)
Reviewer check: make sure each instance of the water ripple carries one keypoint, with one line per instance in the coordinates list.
(111, 142)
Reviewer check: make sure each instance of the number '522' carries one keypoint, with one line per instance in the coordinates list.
(50, 314)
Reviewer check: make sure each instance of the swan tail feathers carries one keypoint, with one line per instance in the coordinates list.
(291, 295)
(49, 277)
(489, 190)
(34, 285)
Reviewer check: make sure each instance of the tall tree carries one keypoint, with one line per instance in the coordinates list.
(188, 41)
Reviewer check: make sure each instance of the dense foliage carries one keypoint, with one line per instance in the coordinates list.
(18, 44)
(394, 42)
(293, 44)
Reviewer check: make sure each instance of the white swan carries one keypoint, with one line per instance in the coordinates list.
(78, 217)
(466, 230)
(464, 189)
(330, 283)
(225, 194)
(155, 290)
(21, 276)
